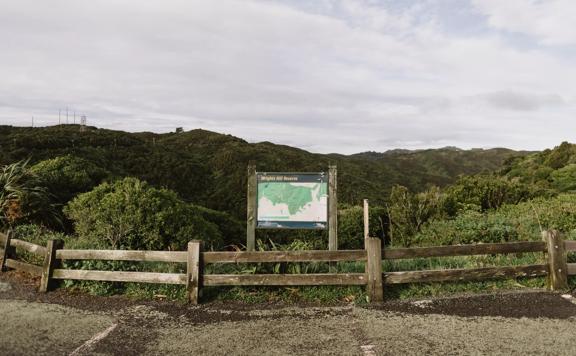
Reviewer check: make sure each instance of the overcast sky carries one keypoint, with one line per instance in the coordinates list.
(324, 75)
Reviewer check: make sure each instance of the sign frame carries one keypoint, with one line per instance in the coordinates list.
(321, 177)
(251, 203)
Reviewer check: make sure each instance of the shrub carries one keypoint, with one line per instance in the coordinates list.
(521, 222)
(408, 212)
(23, 199)
(483, 192)
(130, 214)
(67, 176)
(351, 226)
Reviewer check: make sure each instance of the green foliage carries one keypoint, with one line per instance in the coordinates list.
(130, 214)
(36, 234)
(408, 212)
(351, 225)
(520, 222)
(547, 172)
(468, 227)
(67, 176)
(209, 169)
(22, 197)
(564, 179)
(483, 192)
(232, 230)
(561, 156)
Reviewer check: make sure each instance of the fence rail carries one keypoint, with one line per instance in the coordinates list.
(451, 275)
(465, 250)
(555, 249)
(120, 255)
(284, 256)
(570, 245)
(284, 279)
(119, 276)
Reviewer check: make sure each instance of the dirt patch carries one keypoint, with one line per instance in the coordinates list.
(533, 304)
(46, 329)
(529, 304)
(533, 322)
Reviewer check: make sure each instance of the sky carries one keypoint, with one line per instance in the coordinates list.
(340, 76)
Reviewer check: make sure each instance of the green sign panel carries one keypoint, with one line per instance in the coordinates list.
(292, 200)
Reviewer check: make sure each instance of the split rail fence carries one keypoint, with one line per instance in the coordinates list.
(374, 279)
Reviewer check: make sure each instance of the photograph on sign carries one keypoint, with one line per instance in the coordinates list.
(292, 200)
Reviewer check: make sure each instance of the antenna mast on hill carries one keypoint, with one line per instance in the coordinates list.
(82, 123)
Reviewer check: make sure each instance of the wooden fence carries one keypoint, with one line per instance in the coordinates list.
(374, 279)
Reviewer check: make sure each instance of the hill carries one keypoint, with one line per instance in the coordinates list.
(209, 168)
(550, 171)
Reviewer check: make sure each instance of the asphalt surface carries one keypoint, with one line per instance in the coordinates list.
(64, 323)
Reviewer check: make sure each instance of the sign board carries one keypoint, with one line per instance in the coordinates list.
(292, 200)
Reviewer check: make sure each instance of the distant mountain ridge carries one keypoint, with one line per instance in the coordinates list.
(209, 169)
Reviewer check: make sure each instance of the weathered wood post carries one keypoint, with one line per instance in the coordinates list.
(333, 213)
(374, 286)
(366, 228)
(332, 208)
(252, 192)
(50, 263)
(366, 221)
(8, 251)
(557, 263)
(194, 271)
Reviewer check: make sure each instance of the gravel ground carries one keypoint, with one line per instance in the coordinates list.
(63, 323)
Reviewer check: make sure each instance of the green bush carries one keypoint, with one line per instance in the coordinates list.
(409, 212)
(483, 192)
(130, 214)
(521, 222)
(23, 198)
(67, 176)
(351, 226)
(564, 179)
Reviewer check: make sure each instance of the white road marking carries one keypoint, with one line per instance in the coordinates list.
(569, 297)
(368, 350)
(87, 346)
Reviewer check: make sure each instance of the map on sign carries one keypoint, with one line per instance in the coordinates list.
(292, 201)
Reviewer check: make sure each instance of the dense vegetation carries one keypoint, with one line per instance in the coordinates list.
(209, 169)
(111, 189)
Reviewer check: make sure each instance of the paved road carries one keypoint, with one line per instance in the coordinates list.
(494, 324)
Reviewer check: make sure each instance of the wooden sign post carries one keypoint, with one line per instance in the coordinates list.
(251, 208)
(366, 221)
(332, 208)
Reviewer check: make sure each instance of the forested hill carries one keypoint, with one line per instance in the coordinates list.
(209, 169)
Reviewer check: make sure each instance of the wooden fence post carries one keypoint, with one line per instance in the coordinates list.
(50, 263)
(374, 286)
(557, 263)
(8, 251)
(194, 271)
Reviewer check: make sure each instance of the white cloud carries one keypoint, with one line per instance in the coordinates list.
(550, 21)
(333, 75)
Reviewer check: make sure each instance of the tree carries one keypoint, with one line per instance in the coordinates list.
(408, 212)
(483, 192)
(351, 225)
(130, 214)
(564, 179)
(23, 198)
(67, 176)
